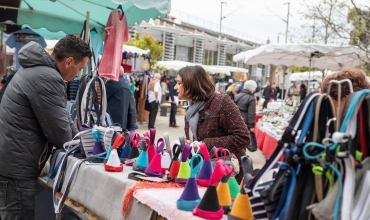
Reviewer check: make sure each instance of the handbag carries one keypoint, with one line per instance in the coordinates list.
(224, 154)
(253, 185)
(88, 142)
(253, 143)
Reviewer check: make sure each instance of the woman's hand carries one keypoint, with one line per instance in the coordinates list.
(252, 130)
(195, 147)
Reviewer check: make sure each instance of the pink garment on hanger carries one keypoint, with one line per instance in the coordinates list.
(116, 32)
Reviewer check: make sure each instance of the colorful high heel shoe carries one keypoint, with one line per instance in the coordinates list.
(134, 153)
(209, 207)
(114, 164)
(155, 168)
(127, 147)
(151, 147)
(190, 198)
(174, 168)
(223, 191)
(184, 171)
(142, 161)
(242, 208)
(205, 172)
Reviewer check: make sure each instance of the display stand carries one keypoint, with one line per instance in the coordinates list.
(87, 33)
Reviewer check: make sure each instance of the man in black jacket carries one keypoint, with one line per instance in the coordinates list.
(266, 94)
(174, 101)
(121, 103)
(33, 116)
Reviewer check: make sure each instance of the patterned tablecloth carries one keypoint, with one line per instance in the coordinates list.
(163, 201)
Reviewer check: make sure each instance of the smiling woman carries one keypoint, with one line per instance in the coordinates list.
(211, 118)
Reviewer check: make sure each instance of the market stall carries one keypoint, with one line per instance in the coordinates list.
(129, 192)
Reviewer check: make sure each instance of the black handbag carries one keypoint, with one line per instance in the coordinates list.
(253, 144)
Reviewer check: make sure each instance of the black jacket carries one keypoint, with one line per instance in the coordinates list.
(303, 93)
(171, 88)
(247, 106)
(231, 95)
(32, 114)
(8, 79)
(121, 103)
(267, 92)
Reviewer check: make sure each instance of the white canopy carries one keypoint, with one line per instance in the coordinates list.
(321, 56)
(133, 49)
(234, 69)
(177, 65)
(304, 76)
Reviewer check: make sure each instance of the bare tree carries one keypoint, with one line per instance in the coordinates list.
(337, 21)
(322, 18)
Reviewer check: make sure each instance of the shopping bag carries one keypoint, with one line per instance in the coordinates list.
(253, 144)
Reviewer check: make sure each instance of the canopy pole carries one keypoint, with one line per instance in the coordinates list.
(87, 33)
(309, 77)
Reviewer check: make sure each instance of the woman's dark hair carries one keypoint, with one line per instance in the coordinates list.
(71, 46)
(196, 83)
(357, 77)
(303, 86)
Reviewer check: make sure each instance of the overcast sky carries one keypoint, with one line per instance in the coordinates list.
(258, 18)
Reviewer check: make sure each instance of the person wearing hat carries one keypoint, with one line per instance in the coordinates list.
(229, 84)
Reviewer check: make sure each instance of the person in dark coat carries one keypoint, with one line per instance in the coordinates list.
(34, 119)
(121, 103)
(303, 91)
(275, 91)
(232, 90)
(266, 94)
(279, 94)
(247, 103)
(212, 118)
(173, 98)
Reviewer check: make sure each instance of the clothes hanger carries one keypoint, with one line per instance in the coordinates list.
(120, 8)
(94, 30)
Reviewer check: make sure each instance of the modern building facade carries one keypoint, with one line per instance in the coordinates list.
(199, 41)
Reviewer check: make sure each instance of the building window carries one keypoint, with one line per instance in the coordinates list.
(208, 57)
(191, 54)
(229, 59)
(181, 53)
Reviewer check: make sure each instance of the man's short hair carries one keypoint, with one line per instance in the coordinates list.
(157, 76)
(71, 46)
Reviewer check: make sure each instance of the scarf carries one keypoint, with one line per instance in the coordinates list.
(192, 116)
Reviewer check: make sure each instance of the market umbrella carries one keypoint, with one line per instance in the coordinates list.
(303, 76)
(321, 56)
(234, 69)
(68, 15)
(334, 57)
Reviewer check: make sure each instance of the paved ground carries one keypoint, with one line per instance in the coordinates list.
(162, 123)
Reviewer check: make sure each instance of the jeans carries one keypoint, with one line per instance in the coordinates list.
(17, 199)
(153, 113)
(173, 114)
